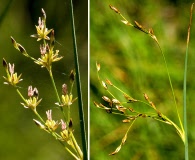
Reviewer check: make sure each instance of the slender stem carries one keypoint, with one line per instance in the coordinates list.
(76, 146)
(185, 106)
(20, 95)
(173, 93)
(184, 88)
(56, 92)
(53, 83)
(72, 153)
(37, 114)
(79, 92)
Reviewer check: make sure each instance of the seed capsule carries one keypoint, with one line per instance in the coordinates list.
(114, 9)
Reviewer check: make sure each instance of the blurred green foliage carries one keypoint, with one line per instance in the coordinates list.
(133, 62)
(20, 138)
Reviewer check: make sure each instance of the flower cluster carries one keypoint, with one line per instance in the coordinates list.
(48, 54)
(32, 102)
(67, 98)
(51, 124)
(12, 77)
(42, 31)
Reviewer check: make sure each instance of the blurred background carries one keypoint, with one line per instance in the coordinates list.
(133, 62)
(20, 138)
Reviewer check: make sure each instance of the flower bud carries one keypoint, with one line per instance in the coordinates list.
(72, 76)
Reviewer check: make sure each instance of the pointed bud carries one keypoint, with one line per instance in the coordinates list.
(146, 97)
(98, 66)
(104, 85)
(116, 151)
(41, 126)
(36, 92)
(109, 82)
(14, 43)
(70, 125)
(21, 49)
(114, 9)
(5, 64)
(115, 101)
(106, 99)
(72, 76)
(137, 25)
(130, 99)
(52, 39)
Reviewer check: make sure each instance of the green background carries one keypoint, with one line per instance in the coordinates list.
(132, 61)
(20, 138)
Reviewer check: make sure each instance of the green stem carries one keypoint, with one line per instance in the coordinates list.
(173, 93)
(79, 92)
(185, 106)
(76, 146)
(56, 92)
(184, 88)
(21, 95)
(54, 86)
(72, 153)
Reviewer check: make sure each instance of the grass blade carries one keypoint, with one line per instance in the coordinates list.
(184, 88)
(79, 91)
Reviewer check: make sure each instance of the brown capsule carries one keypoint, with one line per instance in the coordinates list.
(138, 25)
(21, 49)
(146, 96)
(114, 8)
(131, 109)
(4, 63)
(109, 82)
(151, 31)
(72, 76)
(52, 38)
(70, 124)
(115, 101)
(13, 40)
(106, 99)
(152, 104)
(126, 120)
(121, 108)
(130, 99)
(35, 92)
(97, 105)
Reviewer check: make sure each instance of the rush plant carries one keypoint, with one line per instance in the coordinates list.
(63, 129)
(113, 103)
